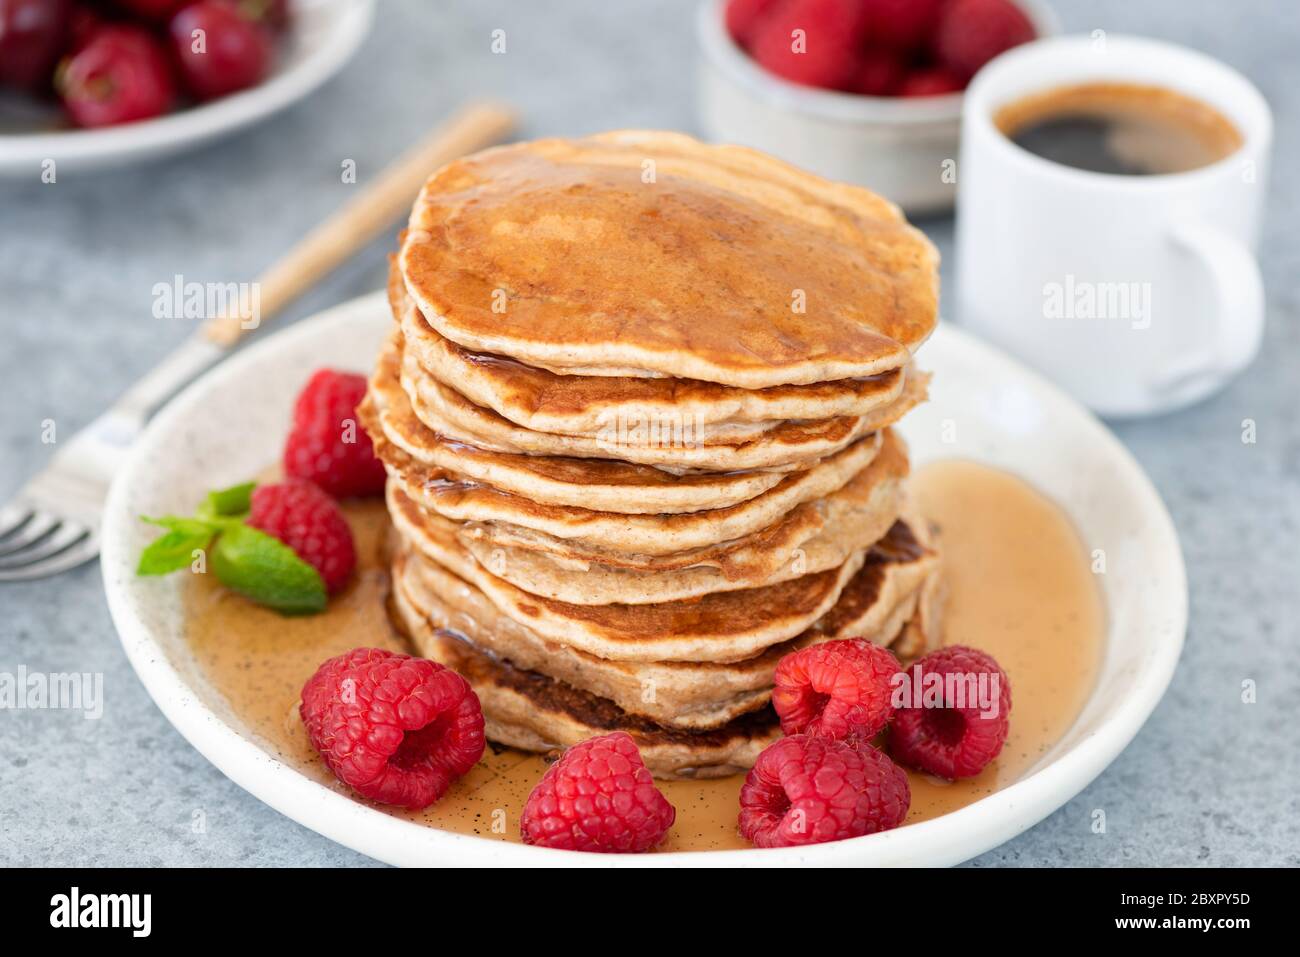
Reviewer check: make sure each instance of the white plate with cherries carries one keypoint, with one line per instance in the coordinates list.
(86, 84)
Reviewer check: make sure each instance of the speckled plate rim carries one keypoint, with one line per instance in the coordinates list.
(1004, 415)
(328, 33)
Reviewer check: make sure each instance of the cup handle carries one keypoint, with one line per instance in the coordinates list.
(1238, 321)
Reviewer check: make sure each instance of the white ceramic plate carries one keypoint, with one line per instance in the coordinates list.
(230, 424)
(324, 35)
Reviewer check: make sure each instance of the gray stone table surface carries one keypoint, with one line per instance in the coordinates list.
(1207, 781)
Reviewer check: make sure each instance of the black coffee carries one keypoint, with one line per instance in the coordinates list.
(1119, 128)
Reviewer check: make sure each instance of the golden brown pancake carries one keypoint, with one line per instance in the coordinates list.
(750, 539)
(582, 405)
(673, 444)
(601, 529)
(814, 537)
(720, 626)
(893, 600)
(592, 484)
(649, 253)
(536, 712)
(533, 712)
(428, 468)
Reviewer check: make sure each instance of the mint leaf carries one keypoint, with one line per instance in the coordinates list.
(175, 523)
(245, 559)
(228, 502)
(263, 568)
(174, 550)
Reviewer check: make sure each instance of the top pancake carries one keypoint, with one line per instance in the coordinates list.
(648, 253)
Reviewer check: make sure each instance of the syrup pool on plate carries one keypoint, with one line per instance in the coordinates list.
(1019, 587)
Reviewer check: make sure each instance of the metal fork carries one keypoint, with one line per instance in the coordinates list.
(52, 524)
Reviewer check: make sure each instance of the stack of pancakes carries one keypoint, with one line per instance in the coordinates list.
(635, 412)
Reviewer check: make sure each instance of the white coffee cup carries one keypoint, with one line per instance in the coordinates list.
(1138, 294)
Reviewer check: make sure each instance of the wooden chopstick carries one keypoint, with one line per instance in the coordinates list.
(376, 208)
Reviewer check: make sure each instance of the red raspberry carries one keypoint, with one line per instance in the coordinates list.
(933, 81)
(878, 73)
(900, 25)
(743, 16)
(395, 729)
(972, 32)
(827, 53)
(808, 790)
(952, 738)
(836, 689)
(308, 521)
(598, 797)
(326, 445)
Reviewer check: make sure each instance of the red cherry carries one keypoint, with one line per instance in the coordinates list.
(120, 75)
(32, 34)
(219, 51)
(931, 81)
(83, 24)
(151, 9)
(272, 14)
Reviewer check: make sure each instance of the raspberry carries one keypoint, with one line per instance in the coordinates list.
(827, 51)
(835, 689)
(395, 729)
(598, 797)
(952, 738)
(900, 25)
(743, 16)
(325, 443)
(878, 73)
(808, 790)
(972, 32)
(932, 81)
(308, 521)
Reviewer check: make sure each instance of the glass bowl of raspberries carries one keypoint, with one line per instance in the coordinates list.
(864, 91)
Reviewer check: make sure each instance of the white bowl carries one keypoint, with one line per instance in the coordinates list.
(897, 146)
(322, 38)
(230, 424)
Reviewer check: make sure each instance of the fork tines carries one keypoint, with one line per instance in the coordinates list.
(35, 543)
